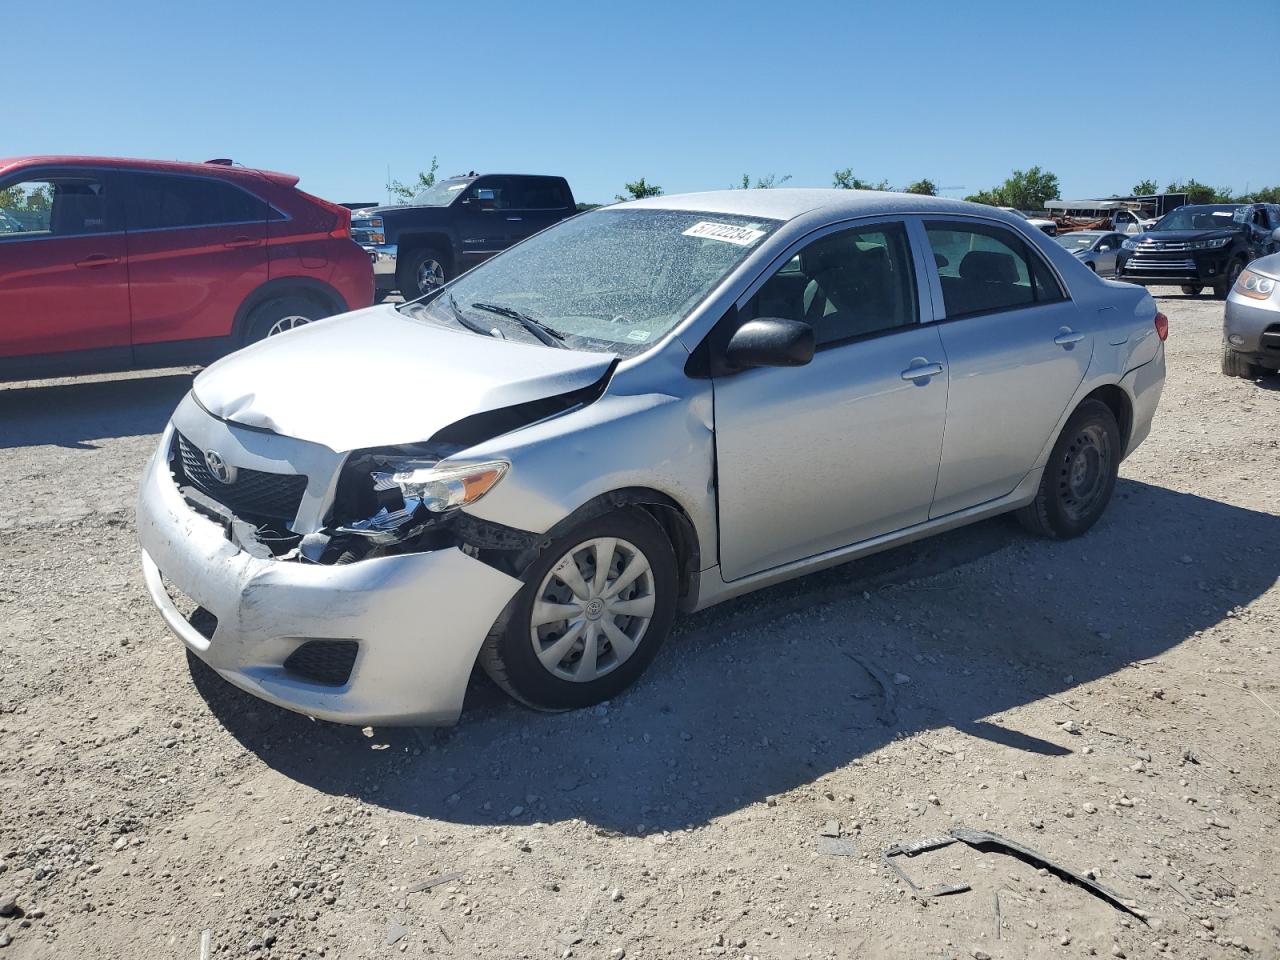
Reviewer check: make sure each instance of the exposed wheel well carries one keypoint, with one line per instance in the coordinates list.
(1121, 407)
(304, 287)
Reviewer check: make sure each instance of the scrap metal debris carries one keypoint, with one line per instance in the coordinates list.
(422, 885)
(986, 842)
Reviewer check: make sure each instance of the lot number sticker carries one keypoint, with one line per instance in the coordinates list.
(725, 232)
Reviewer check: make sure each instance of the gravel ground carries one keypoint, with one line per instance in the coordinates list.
(1106, 701)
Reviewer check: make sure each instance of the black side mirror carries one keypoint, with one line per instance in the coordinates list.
(483, 198)
(771, 342)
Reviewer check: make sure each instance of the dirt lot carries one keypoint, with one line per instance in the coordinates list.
(1111, 702)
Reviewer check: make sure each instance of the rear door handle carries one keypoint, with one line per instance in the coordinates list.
(921, 369)
(242, 242)
(1067, 336)
(97, 260)
(514, 219)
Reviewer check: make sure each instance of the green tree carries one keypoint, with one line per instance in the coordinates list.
(640, 189)
(584, 207)
(1144, 188)
(762, 183)
(27, 200)
(404, 192)
(1264, 195)
(1196, 191)
(925, 186)
(845, 180)
(1024, 189)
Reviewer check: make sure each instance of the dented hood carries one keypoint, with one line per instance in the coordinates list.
(376, 377)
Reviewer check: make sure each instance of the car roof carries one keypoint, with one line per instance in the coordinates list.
(787, 203)
(129, 163)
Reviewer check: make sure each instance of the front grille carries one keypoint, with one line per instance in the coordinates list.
(253, 494)
(1138, 264)
(324, 661)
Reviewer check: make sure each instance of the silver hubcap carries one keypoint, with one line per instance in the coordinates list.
(430, 275)
(285, 324)
(592, 609)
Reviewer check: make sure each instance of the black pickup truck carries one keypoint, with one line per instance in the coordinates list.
(1200, 245)
(454, 224)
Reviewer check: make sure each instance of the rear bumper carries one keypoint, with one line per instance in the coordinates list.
(1144, 385)
(418, 619)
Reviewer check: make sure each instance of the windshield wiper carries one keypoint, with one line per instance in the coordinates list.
(544, 332)
(470, 324)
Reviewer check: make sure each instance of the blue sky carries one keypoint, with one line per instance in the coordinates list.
(690, 95)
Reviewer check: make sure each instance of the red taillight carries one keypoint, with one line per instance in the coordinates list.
(1162, 326)
(342, 225)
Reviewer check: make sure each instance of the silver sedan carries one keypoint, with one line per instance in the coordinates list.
(646, 409)
(1096, 249)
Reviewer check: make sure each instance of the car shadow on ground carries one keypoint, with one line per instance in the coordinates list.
(76, 414)
(770, 692)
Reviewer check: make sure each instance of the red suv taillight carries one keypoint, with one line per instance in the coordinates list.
(1162, 326)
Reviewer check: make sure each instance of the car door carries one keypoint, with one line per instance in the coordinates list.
(1105, 253)
(1017, 348)
(197, 249)
(537, 203)
(64, 282)
(485, 220)
(846, 448)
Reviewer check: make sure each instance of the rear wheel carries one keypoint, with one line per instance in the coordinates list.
(1220, 290)
(595, 607)
(1238, 365)
(1191, 290)
(281, 315)
(421, 272)
(1079, 477)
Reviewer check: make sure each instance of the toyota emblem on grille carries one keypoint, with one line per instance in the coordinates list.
(222, 471)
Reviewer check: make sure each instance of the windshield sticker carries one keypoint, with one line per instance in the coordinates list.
(724, 232)
(639, 336)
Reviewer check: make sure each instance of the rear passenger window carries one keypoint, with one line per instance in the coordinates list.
(541, 193)
(984, 269)
(848, 284)
(159, 201)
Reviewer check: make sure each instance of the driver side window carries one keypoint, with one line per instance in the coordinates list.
(849, 284)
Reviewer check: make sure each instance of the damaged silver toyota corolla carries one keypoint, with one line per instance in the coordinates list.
(650, 407)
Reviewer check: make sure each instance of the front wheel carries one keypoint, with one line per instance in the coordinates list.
(595, 607)
(1237, 365)
(1191, 290)
(1220, 290)
(1079, 477)
(421, 272)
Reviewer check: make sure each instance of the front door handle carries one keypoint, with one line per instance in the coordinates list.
(921, 369)
(514, 219)
(97, 260)
(1066, 336)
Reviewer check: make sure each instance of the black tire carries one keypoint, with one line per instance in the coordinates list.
(1191, 290)
(1074, 491)
(1234, 269)
(270, 317)
(418, 264)
(508, 655)
(1238, 365)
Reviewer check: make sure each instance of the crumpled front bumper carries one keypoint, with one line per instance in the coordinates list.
(419, 618)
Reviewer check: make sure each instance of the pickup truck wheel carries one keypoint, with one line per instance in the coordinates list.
(422, 271)
(280, 316)
(596, 605)
(1191, 290)
(1079, 477)
(1238, 365)
(1220, 290)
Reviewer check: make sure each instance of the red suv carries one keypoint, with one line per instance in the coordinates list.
(107, 264)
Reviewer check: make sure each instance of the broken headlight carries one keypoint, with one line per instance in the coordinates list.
(442, 487)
